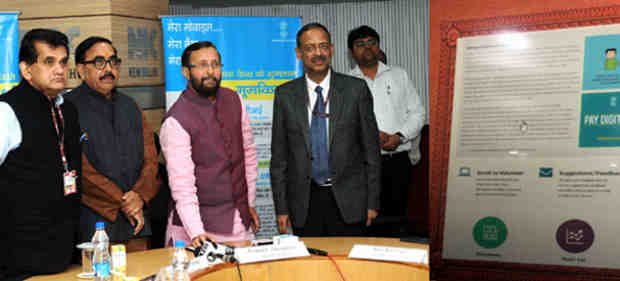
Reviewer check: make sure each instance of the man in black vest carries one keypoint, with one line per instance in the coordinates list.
(119, 160)
(39, 162)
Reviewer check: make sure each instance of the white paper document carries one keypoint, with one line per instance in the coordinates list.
(385, 253)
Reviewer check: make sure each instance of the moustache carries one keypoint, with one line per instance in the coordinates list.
(108, 75)
(208, 78)
(318, 59)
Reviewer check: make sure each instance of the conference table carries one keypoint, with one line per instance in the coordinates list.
(145, 263)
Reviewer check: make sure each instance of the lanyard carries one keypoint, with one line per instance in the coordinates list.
(61, 143)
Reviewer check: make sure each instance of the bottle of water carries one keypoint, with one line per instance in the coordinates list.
(179, 262)
(101, 254)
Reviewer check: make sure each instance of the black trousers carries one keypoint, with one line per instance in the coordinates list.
(395, 180)
(324, 218)
(14, 276)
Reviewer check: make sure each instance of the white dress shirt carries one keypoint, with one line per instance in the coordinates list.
(397, 105)
(10, 131)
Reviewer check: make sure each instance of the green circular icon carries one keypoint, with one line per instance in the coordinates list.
(490, 232)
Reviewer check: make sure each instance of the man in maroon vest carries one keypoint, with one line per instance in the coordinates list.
(211, 156)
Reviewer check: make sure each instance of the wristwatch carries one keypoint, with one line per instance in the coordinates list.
(402, 138)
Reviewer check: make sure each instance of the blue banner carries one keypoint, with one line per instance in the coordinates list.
(258, 54)
(9, 50)
(600, 120)
(253, 49)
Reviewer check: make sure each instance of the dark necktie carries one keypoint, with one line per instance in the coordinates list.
(320, 161)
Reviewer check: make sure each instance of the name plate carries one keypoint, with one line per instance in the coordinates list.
(385, 253)
(271, 252)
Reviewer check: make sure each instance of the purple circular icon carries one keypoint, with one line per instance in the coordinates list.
(575, 236)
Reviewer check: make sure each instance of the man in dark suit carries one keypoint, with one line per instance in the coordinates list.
(325, 155)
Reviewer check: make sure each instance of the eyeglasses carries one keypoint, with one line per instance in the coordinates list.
(100, 62)
(205, 66)
(311, 48)
(362, 44)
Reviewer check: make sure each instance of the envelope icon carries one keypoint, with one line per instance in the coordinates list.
(545, 172)
(465, 172)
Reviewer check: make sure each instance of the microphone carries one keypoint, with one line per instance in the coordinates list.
(223, 257)
(214, 251)
(317, 252)
(229, 255)
(202, 249)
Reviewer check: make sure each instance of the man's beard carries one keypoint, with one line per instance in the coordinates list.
(368, 61)
(205, 91)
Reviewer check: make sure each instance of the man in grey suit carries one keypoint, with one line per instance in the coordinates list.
(325, 153)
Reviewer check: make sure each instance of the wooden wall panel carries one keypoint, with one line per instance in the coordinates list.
(32, 9)
(138, 41)
(150, 9)
(56, 8)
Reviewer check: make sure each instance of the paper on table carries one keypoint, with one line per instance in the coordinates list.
(370, 252)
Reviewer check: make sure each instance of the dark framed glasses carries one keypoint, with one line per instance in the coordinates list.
(100, 62)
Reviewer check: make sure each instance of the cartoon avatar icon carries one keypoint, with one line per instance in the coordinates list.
(610, 61)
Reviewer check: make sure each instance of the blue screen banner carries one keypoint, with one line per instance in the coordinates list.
(9, 48)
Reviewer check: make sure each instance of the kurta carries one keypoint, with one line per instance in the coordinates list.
(211, 161)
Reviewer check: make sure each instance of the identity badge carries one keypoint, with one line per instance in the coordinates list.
(70, 182)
